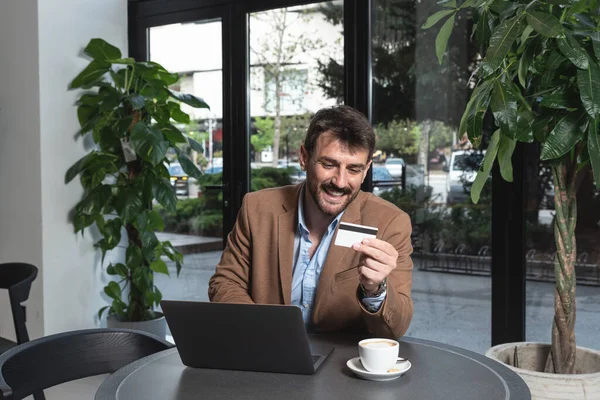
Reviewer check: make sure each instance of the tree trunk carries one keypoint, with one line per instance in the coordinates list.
(562, 355)
(277, 121)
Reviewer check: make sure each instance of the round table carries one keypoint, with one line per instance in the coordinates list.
(438, 371)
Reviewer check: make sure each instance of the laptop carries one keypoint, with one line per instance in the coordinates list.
(248, 337)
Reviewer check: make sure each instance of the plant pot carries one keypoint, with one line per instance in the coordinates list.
(156, 326)
(583, 385)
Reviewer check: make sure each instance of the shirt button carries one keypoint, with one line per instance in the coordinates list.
(305, 305)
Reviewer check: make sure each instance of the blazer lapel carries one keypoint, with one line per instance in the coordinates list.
(287, 226)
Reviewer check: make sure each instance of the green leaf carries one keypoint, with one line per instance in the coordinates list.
(133, 256)
(75, 169)
(524, 130)
(101, 311)
(482, 30)
(159, 266)
(93, 201)
(177, 114)
(128, 205)
(501, 41)
(476, 113)
(504, 108)
(189, 99)
(593, 143)
(86, 115)
(441, 40)
(486, 167)
(525, 35)
(140, 279)
(195, 145)
(524, 64)
(595, 36)
(149, 242)
(117, 269)
(435, 18)
(172, 134)
(571, 49)
(100, 50)
(155, 221)
(164, 194)
(544, 23)
(559, 100)
(89, 99)
(188, 165)
(113, 290)
(505, 152)
(541, 128)
(123, 61)
(149, 143)
(91, 73)
(588, 82)
(563, 137)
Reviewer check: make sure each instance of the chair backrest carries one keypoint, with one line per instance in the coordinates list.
(42, 363)
(17, 278)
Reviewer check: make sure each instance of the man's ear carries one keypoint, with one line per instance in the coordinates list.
(303, 157)
(366, 170)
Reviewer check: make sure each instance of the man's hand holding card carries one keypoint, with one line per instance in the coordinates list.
(378, 257)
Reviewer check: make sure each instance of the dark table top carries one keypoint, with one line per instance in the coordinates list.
(438, 372)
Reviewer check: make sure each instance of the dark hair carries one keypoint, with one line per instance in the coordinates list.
(346, 124)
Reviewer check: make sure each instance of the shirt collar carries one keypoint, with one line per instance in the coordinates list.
(302, 224)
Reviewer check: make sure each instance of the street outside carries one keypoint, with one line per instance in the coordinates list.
(449, 308)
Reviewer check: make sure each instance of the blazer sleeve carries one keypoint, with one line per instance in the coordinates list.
(393, 317)
(231, 280)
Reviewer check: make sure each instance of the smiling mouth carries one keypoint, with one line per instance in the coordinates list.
(334, 195)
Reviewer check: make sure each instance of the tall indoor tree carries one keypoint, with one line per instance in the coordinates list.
(540, 78)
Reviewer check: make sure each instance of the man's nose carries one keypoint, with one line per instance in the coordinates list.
(340, 179)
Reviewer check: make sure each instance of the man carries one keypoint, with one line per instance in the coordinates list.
(281, 249)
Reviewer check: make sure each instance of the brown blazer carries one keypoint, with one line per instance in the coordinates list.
(256, 265)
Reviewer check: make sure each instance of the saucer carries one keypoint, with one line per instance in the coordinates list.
(356, 366)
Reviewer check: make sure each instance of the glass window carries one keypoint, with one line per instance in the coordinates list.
(292, 53)
(417, 106)
(196, 227)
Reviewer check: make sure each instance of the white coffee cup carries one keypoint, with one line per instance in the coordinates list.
(378, 355)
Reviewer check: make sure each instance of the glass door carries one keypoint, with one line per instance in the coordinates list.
(296, 67)
(194, 50)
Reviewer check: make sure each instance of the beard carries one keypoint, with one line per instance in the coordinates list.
(318, 192)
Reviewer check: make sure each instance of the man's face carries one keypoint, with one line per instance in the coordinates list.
(334, 173)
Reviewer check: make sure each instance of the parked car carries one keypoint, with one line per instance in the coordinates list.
(179, 179)
(213, 170)
(395, 166)
(383, 181)
(462, 171)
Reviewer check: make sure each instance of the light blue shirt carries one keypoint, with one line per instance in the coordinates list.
(306, 272)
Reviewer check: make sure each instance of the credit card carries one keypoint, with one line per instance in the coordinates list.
(348, 234)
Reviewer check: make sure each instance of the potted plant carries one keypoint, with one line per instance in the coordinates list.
(128, 109)
(540, 78)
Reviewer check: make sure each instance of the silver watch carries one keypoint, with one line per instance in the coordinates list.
(380, 289)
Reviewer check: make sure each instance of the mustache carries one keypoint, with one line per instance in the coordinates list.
(330, 187)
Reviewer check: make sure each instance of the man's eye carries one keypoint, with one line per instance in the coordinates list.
(327, 166)
(355, 171)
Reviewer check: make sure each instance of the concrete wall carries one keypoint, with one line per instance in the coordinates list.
(40, 43)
